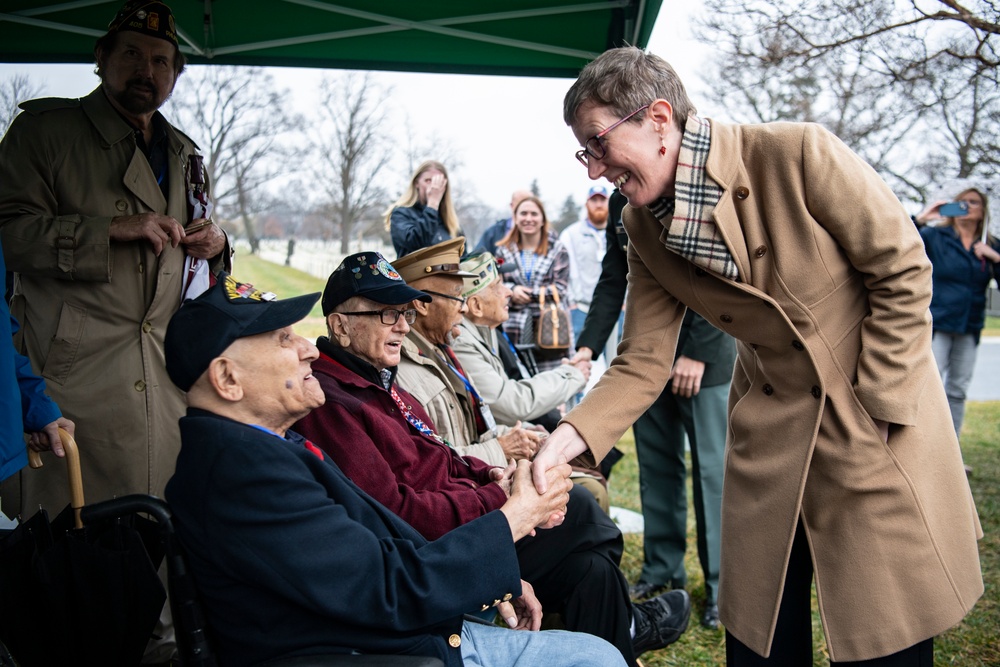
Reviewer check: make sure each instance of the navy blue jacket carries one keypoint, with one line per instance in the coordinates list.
(415, 227)
(23, 403)
(488, 241)
(958, 303)
(291, 558)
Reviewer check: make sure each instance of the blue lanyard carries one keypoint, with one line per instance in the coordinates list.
(528, 269)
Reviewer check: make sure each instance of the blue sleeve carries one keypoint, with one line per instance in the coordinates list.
(412, 228)
(37, 409)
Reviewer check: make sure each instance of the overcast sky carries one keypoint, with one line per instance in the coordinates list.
(507, 130)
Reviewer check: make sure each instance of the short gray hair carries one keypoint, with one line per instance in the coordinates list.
(624, 79)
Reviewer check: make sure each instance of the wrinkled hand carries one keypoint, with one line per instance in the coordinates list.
(158, 230)
(687, 374)
(538, 428)
(48, 437)
(435, 191)
(520, 295)
(520, 443)
(527, 509)
(205, 243)
(525, 612)
(932, 212)
(504, 476)
(984, 251)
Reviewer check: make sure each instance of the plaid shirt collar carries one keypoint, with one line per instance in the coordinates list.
(691, 231)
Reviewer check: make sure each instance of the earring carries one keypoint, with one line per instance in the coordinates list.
(663, 150)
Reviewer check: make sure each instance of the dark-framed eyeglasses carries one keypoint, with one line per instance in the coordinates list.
(460, 299)
(389, 316)
(594, 148)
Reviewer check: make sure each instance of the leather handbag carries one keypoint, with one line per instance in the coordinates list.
(553, 329)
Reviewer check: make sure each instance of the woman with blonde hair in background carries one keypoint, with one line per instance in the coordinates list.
(964, 258)
(425, 214)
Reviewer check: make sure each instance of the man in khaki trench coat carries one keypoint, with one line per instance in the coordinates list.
(93, 208)
(840, 458)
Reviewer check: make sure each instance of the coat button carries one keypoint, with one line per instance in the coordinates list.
(121, 205)
(760, 251)
(816, 392)
(146, 327)
(140, 385)
(726, 318)
(454, 641)
(797, 344)
(768, 389)
(507, 597)
(742, 192)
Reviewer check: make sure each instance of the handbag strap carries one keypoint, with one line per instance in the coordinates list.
(541, 298)
(555, 294)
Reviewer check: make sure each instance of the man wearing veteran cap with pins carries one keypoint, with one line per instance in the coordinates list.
(382, 438)
(99, 227)
(279, 538)
(433, 375)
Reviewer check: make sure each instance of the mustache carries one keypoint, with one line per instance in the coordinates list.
(140, 83)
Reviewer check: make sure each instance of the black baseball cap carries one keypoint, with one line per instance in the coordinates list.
(204, 327)
(370, 275)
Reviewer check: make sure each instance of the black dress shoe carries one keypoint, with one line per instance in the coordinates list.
(643, 590)
(661, 621)
(710, 617)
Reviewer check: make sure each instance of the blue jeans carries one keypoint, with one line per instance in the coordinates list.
(955, 355)
(493, 646)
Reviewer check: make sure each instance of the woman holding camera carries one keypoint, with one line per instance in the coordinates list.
(964, 257)
(425, 214)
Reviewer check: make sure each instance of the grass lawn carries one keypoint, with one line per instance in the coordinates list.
(973, 643)
(284, 282)
(992, 327)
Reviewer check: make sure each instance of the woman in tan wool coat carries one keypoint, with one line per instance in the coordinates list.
(841, 463)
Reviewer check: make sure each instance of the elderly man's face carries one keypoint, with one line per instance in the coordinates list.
(138, 73)
(494, 301)
(442, 316)
(276, 376)
(377, 343)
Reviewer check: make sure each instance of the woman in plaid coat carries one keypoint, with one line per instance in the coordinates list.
(541, 263)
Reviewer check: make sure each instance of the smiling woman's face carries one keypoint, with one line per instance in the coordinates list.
(632, 160)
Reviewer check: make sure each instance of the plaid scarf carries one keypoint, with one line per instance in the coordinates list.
(692, 233)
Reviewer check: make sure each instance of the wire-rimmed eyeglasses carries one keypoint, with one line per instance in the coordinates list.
(460, 299)
(389, 316)
(594, 148)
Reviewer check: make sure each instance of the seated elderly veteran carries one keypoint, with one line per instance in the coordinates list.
(290, 557)
(478, 349)
(432, 374)
(385, 442)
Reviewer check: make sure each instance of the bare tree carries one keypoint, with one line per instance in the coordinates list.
(569, 214)
(13, 90)
(877, 73)
(243, 123)
(352, 152)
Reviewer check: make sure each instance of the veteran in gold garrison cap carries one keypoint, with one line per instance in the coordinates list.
(431, 372)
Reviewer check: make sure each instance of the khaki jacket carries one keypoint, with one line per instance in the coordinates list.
(446, 400)
(512, 400)
(833, 330)
(94, 313)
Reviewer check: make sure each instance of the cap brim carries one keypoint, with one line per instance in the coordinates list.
(282, 313)
(396, 294)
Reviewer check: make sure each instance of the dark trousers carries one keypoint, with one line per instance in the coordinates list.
(659, 446)
(792, 645)
(574, 571)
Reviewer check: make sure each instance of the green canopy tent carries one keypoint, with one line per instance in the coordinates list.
(512, 37)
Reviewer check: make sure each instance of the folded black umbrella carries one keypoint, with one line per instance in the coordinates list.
(79, 594)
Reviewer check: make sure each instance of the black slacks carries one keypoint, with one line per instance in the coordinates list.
(792, 645)
(574, 571)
